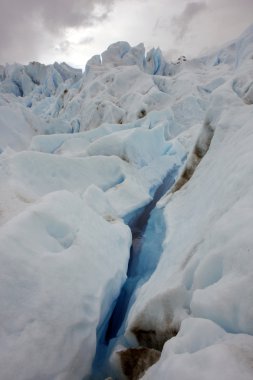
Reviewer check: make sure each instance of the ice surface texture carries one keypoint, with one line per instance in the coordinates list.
(80, 153)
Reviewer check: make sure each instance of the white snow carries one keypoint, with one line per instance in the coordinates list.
(62, 265)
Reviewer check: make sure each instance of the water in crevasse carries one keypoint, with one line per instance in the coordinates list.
(148, 232)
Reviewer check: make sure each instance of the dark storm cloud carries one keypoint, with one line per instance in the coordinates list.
(183, 21)
(27, 26)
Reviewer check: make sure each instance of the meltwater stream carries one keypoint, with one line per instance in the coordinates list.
(136, 271)
(148, 232)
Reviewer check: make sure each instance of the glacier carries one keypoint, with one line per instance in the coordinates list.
(126, 216)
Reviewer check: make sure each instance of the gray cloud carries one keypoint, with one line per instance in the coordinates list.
(183, 21)
(86, 40)
(65, 46)
(37, 29)
(28, 26)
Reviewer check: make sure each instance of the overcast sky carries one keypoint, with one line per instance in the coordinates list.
(74, 30)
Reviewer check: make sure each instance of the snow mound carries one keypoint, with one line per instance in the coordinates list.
(49, 314)
(203, 350)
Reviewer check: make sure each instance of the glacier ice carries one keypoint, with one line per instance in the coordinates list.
(52, 256)
(81, 156)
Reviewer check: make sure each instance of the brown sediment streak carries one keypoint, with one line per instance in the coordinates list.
(135, 361)
(154, 338)
(201, 147)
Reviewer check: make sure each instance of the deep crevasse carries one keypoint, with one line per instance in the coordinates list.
(148, 232)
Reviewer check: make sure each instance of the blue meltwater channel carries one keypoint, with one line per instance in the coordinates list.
(148, 232)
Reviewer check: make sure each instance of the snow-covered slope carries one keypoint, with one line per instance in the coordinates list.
(52, 256)
(82, 156)
(203, 284)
